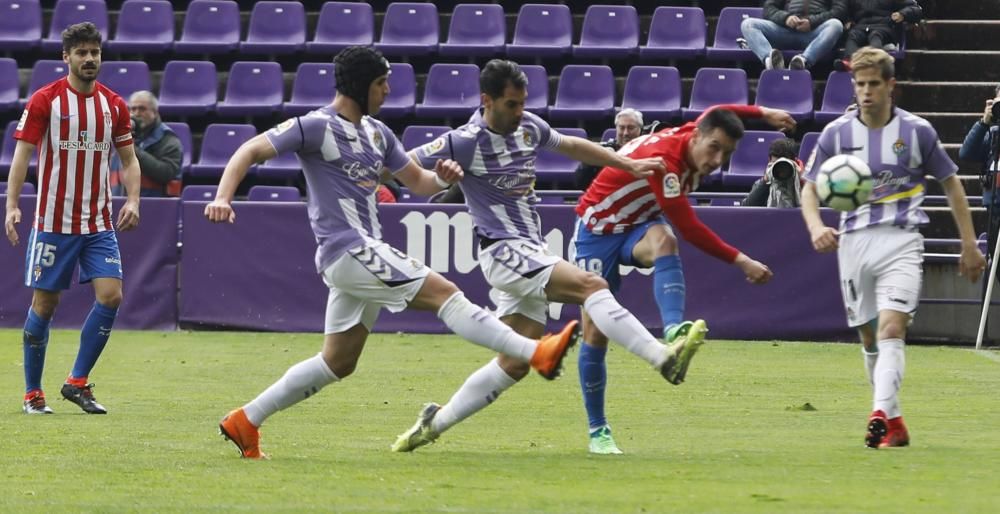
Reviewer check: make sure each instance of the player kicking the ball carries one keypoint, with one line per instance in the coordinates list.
(880, 250)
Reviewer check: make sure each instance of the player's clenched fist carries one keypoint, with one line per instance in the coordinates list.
(824, 239)
(448, 171)
(220, 211)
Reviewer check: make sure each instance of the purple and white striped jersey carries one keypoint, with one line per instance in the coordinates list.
(900, 156)
(499, 173)
(342, 163)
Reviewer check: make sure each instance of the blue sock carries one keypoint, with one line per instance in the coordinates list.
(36, 340)
(668, 289)
(593, 380)
(93, 336)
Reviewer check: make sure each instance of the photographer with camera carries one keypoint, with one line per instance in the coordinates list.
(157, 148)
(982, 145)
(628, 126)
(781, 184)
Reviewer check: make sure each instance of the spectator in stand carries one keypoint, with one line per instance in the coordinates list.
(156, 146)
(782, 182)
(628, 126)
(813, 26)
(874, 23)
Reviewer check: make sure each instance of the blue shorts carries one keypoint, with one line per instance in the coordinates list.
(603, 253)
(52, 258)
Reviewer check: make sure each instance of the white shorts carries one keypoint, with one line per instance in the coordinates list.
(881, 268)
(518, 270)
(367, 278)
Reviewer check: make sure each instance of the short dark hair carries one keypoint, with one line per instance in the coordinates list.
(784, 147)
(79, 34)
(722, 119)
(497, 74)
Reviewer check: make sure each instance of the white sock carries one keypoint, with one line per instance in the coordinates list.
(888, 376)
(298, 383)
(479, 390)
(475, 325)
(619, 324)
(870, 359)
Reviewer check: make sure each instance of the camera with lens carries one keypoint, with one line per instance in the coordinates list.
(783, 169)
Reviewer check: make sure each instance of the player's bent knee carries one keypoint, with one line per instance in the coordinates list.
(592, 283)
(515, 368)
(111, 299)
(44, 304)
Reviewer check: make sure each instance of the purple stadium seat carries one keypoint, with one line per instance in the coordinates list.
(542, 30)
(558, 196)
(125, 77)
(44, 72)
(675, 33)
(188, 88)
(555, 168)
(451, 90)
(145, 26)
(284, 167)
(342, 24)
(788, 90)
(26, 189)
(416, 135)
(314, 87)
(184, 134)
(609, 134)
(273, 194)
(749, 160)
(610, 31)
(409, 29)
(728, 31)
(253, 89)
(475, 29)
(839, 94)
(9, 84)
(7, 152)
(716, 86)
(69, 12)
(276, 28)
(210, 27)
(653, 90)
(809, 140)
(198, 193)
(402, 91)
(218, 144)
(538, 89)
(585, 92)
(20, 25)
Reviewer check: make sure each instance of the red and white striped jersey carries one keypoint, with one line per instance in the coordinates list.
(74, 133)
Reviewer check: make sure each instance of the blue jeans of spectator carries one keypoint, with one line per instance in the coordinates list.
(762, 35)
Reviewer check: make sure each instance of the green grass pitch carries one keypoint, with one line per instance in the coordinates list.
(733, 438)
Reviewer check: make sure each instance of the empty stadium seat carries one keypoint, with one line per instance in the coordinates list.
(552, 167)
(409, 29)
(809, 140)
(749, 160)
(283, 167)
(402, 91)
(253, 89)
(125, 77)
(7, 151)
(27, 188)
(542, 30)
(585, 92)
(728, 31)
(183, 132)
(9, 85)
(609, 31)
(314, 87)
(716, 86)
(198, 193)
(417, 135)
(210, 27)
(20, 25)
(788, 90)
(475, 29)
(70, 12)
(188, 88)
(538, 89)
(675, 33)
(145, 26)
(451, 90)
(609, 134)
(653, 90)
(218, 144)
(342, 24)
(44, 72)
(273, 194)
(839, 94)
(276, 28)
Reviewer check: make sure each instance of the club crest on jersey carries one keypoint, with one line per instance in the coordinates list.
(671, 186)
(107, 119)
(899, 147)
(527, 138)
(38, 273)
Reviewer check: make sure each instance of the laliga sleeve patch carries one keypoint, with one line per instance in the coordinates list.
(283, 126)
(433, 147)
(23, 120)
(671, 186)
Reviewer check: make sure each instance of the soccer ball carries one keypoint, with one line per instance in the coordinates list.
(844, 182)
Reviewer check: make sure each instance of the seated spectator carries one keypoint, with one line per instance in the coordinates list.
(157, 148)
(813, 26)
(874, 23)
(782, 182)
(628, 126)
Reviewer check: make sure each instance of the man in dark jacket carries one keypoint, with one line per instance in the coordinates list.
(976, 148)
(813, 26)
(874, 22)
(157, 148)
(628, 126)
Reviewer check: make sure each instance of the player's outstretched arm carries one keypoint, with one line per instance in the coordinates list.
(756, 272)
(258, 149)
(778, 119)
(128, 216)
(824, 238)
(588, 152)
(971, 262)
(424, 182)
(15, 180)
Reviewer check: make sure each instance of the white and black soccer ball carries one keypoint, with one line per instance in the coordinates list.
(844, 182)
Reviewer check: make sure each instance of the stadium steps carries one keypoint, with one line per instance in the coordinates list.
(952, 65)
(953, 34)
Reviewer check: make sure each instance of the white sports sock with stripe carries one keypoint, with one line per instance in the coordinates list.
(619, 324)
(472, 323)
(888, 376)
(482, 388)
(298, 383)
